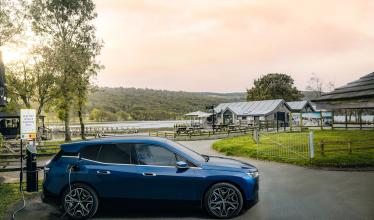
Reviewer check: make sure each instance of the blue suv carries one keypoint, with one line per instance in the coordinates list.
(83, 174)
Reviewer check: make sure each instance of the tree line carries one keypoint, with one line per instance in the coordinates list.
(122, 104)
(58, 70)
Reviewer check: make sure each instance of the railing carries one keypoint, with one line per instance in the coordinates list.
(199, 133)
(346, 145)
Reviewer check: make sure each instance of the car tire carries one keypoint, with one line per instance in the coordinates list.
(81, 202)
(223, 201)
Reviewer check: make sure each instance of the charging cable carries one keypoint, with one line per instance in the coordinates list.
(23, 199)
(69, 178)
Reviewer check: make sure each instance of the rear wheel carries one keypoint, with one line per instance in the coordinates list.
(223, 200)
(81, 202)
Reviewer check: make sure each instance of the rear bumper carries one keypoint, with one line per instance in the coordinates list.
(49, 198)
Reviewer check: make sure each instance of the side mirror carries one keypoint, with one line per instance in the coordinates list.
(182, 165)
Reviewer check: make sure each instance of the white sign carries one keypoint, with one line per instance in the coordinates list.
(28, 123)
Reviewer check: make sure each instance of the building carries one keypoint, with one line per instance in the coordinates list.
(198, 118)
(246, 113)
(358, 94)
(301, 106)
(356, 98)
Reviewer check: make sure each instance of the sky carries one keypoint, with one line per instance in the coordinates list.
(223, 45)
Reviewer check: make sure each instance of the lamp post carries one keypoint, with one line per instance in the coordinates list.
(213, 117)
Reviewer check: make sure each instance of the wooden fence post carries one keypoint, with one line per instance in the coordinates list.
(322, 147)
(349, 147)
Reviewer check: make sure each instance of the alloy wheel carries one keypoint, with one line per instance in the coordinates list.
(78, 202)
(223, 202)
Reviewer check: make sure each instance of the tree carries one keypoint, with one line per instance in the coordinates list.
(89, 48)
(12, 17)
(33, 80)
(21, 82)
(45, 77)
(318, 86)
(66, 25)
(274, 86)
(123, 116)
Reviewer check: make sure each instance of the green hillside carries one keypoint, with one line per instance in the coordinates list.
(149, 104)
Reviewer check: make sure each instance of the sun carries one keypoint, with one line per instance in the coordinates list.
(13, 54)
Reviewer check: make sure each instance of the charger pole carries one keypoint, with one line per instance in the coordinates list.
(21, 172)
(28, 132)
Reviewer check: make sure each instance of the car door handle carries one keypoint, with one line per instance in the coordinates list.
(149, 174)
(103, 172)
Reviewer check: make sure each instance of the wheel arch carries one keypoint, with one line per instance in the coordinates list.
(222, 181)
(75, 182)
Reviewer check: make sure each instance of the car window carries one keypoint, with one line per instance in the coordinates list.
(154, 155)
(90, 152)
(116, 153)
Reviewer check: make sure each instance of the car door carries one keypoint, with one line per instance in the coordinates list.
(161, 179)
(113, 173)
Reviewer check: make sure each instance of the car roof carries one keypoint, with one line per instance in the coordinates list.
(76, 146)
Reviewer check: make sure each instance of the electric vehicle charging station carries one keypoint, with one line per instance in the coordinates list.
(28, 135)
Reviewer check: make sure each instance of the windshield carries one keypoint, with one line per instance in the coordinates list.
(187, 150)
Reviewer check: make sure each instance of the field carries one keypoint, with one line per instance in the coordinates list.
(353, 148)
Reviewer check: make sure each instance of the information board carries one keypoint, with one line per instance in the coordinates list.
(28, 124)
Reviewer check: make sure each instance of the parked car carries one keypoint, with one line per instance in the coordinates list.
(83, 174)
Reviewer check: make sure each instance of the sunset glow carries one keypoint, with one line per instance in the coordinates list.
(224, 45)
(12, 54)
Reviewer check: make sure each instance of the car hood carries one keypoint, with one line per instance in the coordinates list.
(223, 163)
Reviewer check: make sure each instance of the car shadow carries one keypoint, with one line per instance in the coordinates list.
(145, 209)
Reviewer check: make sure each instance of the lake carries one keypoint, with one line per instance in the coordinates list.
(126, 124)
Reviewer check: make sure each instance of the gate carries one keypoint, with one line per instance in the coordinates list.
(285, 146)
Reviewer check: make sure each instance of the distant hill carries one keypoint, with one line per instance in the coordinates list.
(149, 104)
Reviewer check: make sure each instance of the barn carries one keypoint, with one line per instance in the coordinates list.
(247, 113)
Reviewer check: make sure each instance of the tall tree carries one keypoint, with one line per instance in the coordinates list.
(87, 50)
(274, 86)
(45, 77)
(65, 24)
(12, 17)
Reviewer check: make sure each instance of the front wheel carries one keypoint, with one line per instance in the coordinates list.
(223, 200)
(81, 202)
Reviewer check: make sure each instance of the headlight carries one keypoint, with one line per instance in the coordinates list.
(253, 174)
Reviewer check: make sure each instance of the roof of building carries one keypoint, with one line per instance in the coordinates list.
(253, 108)
(199, 114)
(299, 105)
(361, 88)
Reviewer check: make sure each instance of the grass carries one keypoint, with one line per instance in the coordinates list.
(10, 194)
(292, 148)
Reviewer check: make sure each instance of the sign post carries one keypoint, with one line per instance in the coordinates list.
(28, 132)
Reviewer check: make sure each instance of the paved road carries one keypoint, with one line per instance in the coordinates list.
(286, 192)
